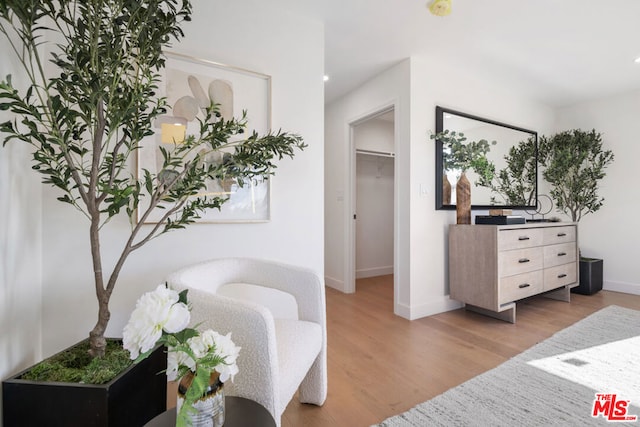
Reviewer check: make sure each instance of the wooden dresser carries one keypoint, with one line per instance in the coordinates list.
(493, 266)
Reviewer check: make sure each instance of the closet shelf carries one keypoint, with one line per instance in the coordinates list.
(375, 153)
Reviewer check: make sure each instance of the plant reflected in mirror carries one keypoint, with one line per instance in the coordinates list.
(515, 183)
(459, 156)
(505, 176)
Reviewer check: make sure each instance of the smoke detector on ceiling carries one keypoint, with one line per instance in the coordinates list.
(440, 7)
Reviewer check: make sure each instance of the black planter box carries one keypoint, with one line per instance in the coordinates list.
(590, 276)
(131, 399)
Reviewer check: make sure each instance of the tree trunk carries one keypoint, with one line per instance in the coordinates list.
(97, 342)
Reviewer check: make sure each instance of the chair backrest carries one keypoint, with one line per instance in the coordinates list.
(282, 305)
(243, 279)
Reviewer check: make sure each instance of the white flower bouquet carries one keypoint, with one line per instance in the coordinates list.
(161, 317)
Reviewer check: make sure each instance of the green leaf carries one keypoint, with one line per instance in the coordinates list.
(182, 296)
(185, 334)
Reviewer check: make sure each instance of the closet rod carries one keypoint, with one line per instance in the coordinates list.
(375, 153)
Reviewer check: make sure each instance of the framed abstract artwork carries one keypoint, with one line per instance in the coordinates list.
(190, 85)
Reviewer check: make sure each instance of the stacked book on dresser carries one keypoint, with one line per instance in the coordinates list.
(500, 217)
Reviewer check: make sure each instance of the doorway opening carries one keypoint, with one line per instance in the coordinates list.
(373, 178)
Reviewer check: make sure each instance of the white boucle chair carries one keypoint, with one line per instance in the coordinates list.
(276, 313)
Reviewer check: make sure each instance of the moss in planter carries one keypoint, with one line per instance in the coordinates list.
(76, 366)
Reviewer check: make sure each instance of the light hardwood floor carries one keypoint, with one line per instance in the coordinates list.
(381, 364)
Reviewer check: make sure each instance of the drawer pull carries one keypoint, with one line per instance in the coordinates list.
(562, 234)
(523, 238)
(523, 260)
(562, 276)
(562, 254)
(524, 285)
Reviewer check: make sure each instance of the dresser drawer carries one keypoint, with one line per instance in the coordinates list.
(520, 261)
(555, 235)
(518, 239)
(520, 286)
(559, 254)
(560, 275)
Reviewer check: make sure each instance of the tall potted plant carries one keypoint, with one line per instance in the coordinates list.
(87, 114)
(575, 163)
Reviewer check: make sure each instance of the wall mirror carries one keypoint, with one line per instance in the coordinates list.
(514, 157)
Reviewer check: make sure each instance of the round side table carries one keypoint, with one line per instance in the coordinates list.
(238, 412)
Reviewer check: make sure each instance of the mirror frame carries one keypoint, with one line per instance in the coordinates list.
(440, 113)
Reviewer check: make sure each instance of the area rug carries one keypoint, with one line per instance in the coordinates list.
(591, 367)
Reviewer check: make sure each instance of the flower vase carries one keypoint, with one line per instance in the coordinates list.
(208, 411)
(446, 190)
(463, 200)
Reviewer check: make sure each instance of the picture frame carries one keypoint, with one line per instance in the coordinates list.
(185, 81)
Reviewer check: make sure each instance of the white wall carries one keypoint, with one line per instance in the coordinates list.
(422, 289)
(374, 198)
(243, 33)
(390, 88)
(434, 83)
(375, 134)
(374, 209)
(20, 246)
(612, 233)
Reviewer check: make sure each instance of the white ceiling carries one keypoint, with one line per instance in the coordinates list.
(557, 51)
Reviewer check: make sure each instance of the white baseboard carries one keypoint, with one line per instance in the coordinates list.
(373, 272)
(627, 288)
(438, 305)
(334, 283)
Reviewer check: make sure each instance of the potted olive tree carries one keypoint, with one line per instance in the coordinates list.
(90, 103)
(574, 163)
